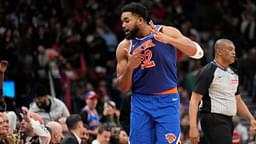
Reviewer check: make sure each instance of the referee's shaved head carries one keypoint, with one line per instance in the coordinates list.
(222, 43)
(225, 51)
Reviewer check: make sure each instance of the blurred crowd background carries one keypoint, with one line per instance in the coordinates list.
(67, 48)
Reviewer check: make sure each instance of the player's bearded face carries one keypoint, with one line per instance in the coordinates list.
(132, 34)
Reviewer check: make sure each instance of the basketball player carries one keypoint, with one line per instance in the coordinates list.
(146, 64)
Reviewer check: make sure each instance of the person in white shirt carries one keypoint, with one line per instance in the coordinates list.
(33, 129)
(103, 135)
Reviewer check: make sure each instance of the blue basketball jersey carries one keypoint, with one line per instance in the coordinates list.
(157, 72)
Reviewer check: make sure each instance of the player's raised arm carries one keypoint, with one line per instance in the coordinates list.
(173, 36)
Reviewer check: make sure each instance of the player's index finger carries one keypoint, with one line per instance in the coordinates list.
(152, 24)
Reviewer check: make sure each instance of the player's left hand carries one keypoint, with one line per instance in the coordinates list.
(3, 65)
(159, 36)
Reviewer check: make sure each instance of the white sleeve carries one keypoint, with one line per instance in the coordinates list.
(41, 131)
(199, 52)
(12, 117)
(65, 112)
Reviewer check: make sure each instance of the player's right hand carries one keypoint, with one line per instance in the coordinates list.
(135, 59)
(194, 135)
(159, 36)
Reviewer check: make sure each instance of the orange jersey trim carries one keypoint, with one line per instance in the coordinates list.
(170, 91)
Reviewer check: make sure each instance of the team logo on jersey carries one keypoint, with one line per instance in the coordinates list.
(234, 82)
(170, 137)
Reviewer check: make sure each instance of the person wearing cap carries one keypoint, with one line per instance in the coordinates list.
(48, 107)
(89, 113)
(32, 128)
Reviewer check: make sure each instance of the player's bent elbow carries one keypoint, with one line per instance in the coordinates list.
(199, 52)
(123, 87)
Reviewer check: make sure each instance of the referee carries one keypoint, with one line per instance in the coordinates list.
(216, 88)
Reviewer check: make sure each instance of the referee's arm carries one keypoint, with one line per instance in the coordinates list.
(243, 111)
(193, 110)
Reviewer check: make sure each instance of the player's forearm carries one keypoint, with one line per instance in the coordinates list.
(188, 47)
(185, 45)
(124, 81)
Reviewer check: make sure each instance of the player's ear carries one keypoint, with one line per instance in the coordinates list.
(141, 19)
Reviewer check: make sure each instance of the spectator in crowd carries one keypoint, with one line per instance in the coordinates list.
(110, 117)
(32, 128)
(56, 132)
(76, 128)
(62, 121)
(123, 137)
(110, 114)
(89, 113)
(5, 136)
(236, 137)
(12, 117)
(103, 135)
(84, 136)
(49, 108)
(241, 129)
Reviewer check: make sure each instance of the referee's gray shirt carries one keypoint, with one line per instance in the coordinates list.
(219, 87)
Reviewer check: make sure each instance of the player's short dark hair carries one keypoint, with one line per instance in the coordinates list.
(73, 120)
(138, 9)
